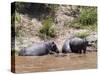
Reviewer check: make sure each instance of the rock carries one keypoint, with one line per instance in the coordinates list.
(92, 38)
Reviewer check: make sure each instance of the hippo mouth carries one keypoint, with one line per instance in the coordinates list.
(53, 52)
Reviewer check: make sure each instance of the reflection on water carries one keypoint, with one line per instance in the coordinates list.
(69, 61)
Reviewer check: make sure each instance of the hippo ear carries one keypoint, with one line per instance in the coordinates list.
(53, 42)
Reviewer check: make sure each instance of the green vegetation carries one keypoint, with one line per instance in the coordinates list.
(76, 25)
(82, 34)
(87, 18)
(17, 17)
(14, 52)
(48, 28)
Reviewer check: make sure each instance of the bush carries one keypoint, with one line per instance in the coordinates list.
(87, 19)
(48, 28)
(82, 34)
(88, 16)
(14, 52)
(17, 17)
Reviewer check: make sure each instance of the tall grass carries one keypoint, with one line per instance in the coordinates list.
(87, 18)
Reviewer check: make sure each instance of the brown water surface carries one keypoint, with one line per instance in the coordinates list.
(55, 62)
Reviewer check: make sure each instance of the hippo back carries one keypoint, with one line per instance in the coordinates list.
(34, 50)
(38, 49)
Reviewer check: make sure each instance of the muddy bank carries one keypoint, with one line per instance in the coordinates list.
(55, 63)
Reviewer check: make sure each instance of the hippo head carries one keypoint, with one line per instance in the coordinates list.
(92, 42)
(86, 42)
(53, 47)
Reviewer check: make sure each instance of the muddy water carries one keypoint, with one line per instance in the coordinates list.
(54, 62)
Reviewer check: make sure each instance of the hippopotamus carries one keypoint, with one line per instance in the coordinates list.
(66, 47)
(39, 49)
(75, 45)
